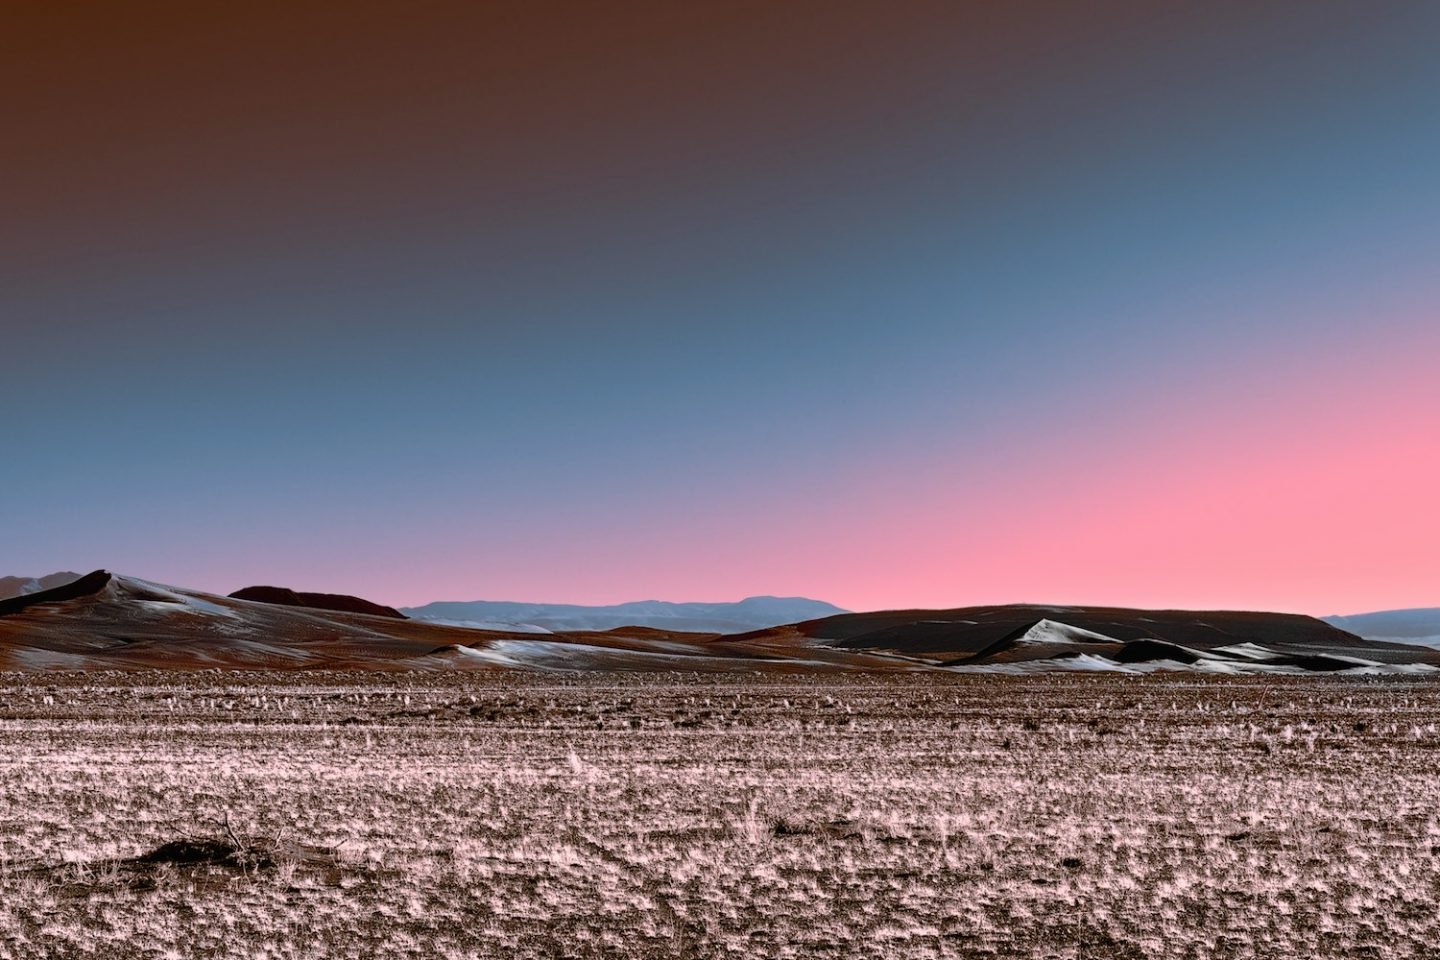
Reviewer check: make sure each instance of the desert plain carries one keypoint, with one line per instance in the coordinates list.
(228, 813)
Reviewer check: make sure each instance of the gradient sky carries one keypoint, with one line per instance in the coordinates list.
(890, 304)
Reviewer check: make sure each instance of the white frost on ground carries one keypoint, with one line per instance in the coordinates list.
(1392, 668)
(1084, 662)
(554, 654)
(33, 658)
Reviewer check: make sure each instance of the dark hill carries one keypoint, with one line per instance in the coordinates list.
(968, 631)
(338, 602)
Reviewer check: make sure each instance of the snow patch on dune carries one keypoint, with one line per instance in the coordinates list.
(558, 655)
(159, 598)
(1053, 631)
(552, 654)
(1081, 663)
(1249, 651)
(1086, 662)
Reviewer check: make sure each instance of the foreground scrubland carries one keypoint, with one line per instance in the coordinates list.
(433, 815)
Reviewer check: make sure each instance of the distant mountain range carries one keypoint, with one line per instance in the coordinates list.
(16, 586)
(752, 613)
(105, 621)
(1420, 625)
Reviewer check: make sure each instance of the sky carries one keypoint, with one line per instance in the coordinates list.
(891, 304)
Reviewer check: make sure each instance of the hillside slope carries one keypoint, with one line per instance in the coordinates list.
(103, 621)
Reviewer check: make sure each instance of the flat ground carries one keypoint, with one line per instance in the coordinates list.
(442, 815)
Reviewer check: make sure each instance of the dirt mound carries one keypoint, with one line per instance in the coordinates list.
(213, 853)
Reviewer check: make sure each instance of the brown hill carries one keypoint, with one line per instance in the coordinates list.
(338, 602)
